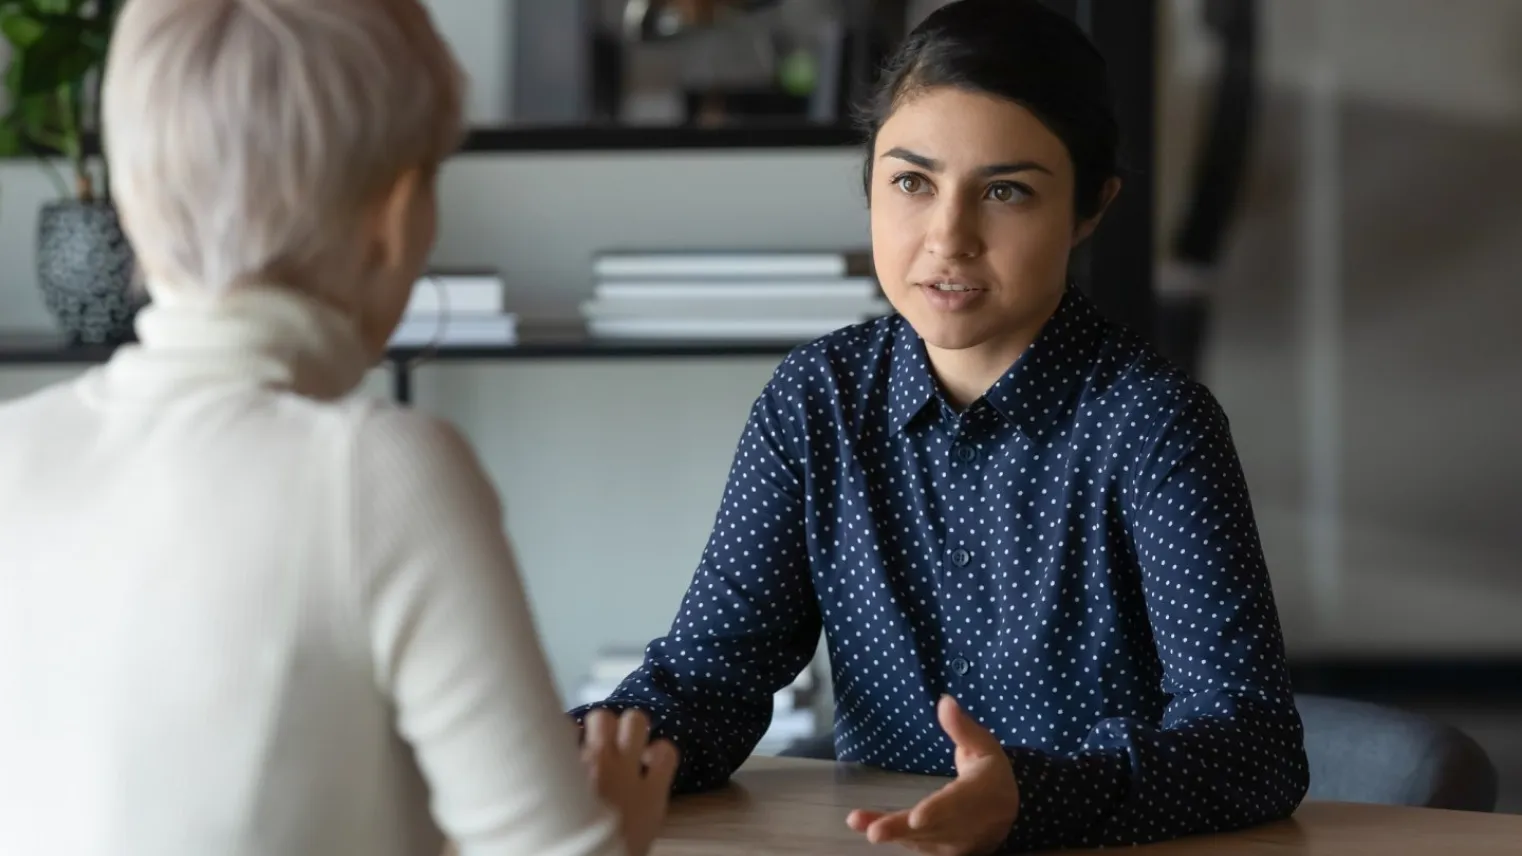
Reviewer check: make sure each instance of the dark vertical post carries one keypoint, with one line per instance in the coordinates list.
(401, 379)
(875, 27)
(1117, 269)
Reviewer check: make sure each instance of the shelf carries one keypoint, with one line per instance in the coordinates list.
(654, 137)
(38, 349)
(591, 138)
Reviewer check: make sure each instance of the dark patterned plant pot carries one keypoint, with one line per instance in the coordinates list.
(85, 270)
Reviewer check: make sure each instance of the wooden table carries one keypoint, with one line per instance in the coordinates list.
(787, 807)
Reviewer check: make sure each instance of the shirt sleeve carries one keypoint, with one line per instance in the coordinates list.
(1229, 752)
(749, 622)
(455, 650)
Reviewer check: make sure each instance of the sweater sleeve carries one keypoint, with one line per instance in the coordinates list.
(456, 651)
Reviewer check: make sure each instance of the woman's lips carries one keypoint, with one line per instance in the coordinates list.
(964, 296)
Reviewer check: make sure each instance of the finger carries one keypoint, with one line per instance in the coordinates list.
(598, 733)
(661, 761)
(964, 731)
(860, 819)
(935, 812)
(888, 828)
(633, 732)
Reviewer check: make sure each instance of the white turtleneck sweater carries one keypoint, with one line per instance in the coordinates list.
(245, 613)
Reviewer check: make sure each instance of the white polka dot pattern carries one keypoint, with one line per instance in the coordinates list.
(1073, 557)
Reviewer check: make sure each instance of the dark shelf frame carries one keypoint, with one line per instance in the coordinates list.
(656, 137)
(617, 138)
(45, 350)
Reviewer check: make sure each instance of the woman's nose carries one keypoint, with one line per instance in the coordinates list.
(954, 231)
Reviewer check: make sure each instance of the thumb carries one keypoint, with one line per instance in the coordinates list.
(964, 731)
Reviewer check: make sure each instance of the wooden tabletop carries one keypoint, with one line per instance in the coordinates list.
(788, 807)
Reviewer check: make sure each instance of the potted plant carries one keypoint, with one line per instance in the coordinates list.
(85, 265)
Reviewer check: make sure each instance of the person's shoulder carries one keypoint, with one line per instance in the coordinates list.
(404, 440)
(1134, 378)
(840, 360)
(406, 467)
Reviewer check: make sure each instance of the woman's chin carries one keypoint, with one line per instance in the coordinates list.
(950, 334)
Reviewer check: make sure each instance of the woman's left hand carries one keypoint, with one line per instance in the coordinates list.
(972, 816)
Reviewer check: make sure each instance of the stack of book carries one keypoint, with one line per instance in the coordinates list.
(793, 709)
(718, 295)
(457, 308)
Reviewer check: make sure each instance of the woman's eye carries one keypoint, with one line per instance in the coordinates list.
(1005, 192)
(910, 183)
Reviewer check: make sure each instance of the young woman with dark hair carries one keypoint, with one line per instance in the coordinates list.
(1026, 537)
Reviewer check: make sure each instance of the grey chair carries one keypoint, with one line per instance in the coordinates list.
(1360, 752)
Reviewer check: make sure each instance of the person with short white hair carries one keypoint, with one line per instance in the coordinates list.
(245, 611)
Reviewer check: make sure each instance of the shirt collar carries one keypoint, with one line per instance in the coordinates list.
(1037, 390)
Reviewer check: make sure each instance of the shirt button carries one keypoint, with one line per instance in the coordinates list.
(960, 666)
(960, 557)
(966, 454)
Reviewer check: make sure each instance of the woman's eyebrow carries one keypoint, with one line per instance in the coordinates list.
(933, 165)
(1007, 168)
(918, 160)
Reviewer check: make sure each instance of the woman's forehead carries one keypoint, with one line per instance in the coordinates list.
(967, 130)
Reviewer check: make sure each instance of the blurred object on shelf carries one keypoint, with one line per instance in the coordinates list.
(457, 308)
(698, 63)
(717, 295)
(647, 20)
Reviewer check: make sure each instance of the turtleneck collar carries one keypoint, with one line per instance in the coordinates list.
(259, 334)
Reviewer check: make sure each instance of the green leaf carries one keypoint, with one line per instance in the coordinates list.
(21, 30)
(56, 59)
(11, 144)
(97, 40)
(55, 7)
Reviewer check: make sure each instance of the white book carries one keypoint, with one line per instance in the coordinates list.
(456, 329)
(458, 292)
(758, 329)
(839, 288)
(720, 263)
(724, 307)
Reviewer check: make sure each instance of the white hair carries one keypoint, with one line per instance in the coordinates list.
(247, 139)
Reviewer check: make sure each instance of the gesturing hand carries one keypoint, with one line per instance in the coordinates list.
(972, 816)
(630, 773)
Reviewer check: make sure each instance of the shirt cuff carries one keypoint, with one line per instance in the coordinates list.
(1063, 800)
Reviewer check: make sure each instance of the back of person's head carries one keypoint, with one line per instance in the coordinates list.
(248, 139)
(1022, 51)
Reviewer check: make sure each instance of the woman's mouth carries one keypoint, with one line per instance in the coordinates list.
(951, 284)
(951, 295)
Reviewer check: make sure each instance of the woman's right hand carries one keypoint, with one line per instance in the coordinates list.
(630, 773)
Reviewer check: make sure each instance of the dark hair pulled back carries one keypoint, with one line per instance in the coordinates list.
(1021, 51)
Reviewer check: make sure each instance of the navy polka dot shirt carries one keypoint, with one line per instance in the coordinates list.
(1073, 557)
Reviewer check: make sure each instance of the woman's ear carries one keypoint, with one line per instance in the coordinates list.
(1107, 195)
(393, 224)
